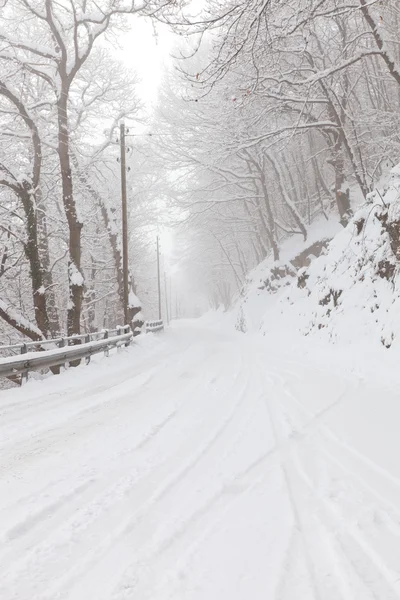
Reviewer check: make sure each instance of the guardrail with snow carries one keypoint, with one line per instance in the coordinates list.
(154, 326)
(47, 354)
(64, 351)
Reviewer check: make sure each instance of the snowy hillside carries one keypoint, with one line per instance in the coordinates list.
(347, 293)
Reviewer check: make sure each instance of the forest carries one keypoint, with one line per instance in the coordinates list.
(269, 115)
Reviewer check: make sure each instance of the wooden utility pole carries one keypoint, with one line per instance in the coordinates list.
(125, 262)
(170, 298)
(158, 278)
(166, 297)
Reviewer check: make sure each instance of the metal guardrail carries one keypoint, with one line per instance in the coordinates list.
(154, 326)
(51, 354)
(33, 356)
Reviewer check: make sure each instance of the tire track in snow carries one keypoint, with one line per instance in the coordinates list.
(131, 488)
(101, 402)
(33, 524)
(228, 494)
(71, 399)
(380, 582)
(145, 438)
(129, 585)
(298, 516)
(109, 548)
(306, 528)
(44, 520)
(384, 579)
(314, 427)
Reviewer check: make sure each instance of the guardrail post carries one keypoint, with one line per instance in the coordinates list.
(154, 326)
(87, 340)
(24, 376)
(61, 345)
(120, 331)
(127, 329)
(106, 349)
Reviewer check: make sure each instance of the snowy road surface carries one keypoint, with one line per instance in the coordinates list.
(199, 465)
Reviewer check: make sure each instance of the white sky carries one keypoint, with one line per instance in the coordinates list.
(147, 54)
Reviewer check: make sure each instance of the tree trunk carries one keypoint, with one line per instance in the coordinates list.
(342, 197)
(289, 204)
(341, 144)
(269, 226)
(32, 254)
(270, 217)
(75, 276)
(44, 252)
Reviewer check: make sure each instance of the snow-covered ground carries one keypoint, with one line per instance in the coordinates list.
(202, 464)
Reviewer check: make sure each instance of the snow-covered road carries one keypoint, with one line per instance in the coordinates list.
(199, 465)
